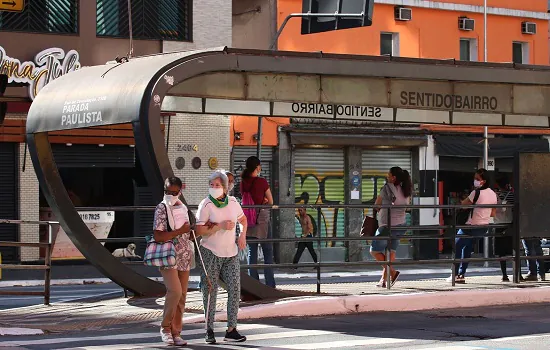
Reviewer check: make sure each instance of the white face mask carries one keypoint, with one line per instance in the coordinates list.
(172, 200)
(231, 186)
(216, 192)
(477, 183)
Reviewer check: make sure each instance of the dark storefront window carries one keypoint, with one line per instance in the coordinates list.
(43, 16)
(164, 20)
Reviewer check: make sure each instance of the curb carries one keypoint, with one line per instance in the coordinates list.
(320, 306)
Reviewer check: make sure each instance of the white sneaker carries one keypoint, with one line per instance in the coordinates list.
(178, 341)
(166, 337)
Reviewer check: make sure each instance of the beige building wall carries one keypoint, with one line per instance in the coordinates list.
(210, 135)
(28, 206)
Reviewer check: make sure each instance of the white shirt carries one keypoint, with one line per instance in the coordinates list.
(221, 243)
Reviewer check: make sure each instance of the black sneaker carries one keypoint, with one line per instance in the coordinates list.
(210, 337)
(234, 336)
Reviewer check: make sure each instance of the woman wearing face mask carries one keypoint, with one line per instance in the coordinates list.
(397, 191)
(172, 222)
(261, 194)
(216, 220)
(482, 194)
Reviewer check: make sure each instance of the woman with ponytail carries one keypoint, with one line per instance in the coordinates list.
(397, 191)
(482, 194)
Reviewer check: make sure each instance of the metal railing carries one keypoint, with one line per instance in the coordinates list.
(47, 266)
(516, 257)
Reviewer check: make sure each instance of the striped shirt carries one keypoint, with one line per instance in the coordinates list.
(505, 215)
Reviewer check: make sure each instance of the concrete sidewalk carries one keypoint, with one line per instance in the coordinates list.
(337, 298)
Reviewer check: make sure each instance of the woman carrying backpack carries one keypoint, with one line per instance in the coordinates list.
(255, 191)
(481, 194)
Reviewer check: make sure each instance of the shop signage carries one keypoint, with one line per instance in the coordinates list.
(48, 65)
(332, 111)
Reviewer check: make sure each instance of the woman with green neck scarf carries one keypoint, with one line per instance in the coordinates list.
(216, 221)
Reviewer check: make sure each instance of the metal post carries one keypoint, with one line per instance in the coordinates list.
(388, 253)
(319, 245)
(309, 15)
(259, 145)
(486, 240)
(48, 271)
(453, 249)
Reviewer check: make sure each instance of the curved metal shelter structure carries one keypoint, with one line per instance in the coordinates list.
(245, 82)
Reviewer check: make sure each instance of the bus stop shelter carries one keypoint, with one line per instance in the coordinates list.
(264, 83)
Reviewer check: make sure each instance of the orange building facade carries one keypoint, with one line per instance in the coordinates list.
(433, 32)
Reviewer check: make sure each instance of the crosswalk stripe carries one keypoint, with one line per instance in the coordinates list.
(520, 337)
(457, 347)
(190, 332)
(346, 343)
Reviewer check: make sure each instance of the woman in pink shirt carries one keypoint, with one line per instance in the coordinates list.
(482, 194)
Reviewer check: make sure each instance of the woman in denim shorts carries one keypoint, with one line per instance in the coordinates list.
(397, 191)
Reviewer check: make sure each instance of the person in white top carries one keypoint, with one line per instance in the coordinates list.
(217, 217)
(482, 194)
(171, 222)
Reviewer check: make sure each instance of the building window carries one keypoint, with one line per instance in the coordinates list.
(520, 53)
(468, 49)
(389, 44)
(164, 20)
(43, 16)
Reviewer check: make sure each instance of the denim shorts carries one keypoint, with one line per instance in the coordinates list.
(379, 246)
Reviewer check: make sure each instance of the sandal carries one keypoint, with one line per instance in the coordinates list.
(381, 283)
(395, 277)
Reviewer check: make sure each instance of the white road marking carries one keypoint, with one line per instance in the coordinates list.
(521, 337)
(346, 343)
(191, 332)
(457, 347)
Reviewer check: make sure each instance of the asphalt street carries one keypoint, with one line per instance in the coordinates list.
(492, 328)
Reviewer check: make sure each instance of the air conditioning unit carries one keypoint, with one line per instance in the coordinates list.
(403, 13)
(465, 23)
(528, 28)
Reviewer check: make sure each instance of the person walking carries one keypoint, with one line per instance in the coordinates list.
(217, 216)
(171, 222)
(307, 232)
(533, 247)
(396, 191)
(257, 190)
(482, 194)
(504, 240)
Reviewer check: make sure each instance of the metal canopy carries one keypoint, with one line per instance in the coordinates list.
(285, 84)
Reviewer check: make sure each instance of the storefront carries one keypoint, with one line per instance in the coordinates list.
(460, 156)
(320, 161)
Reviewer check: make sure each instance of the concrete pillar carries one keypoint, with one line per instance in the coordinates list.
(286, 226)
(353, 191)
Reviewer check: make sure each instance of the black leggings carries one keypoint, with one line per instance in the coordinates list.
(301, 247)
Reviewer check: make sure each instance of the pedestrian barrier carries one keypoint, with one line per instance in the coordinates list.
(516, 257)
(47, 266)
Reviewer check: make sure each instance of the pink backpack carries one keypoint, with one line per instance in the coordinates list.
(250, 213)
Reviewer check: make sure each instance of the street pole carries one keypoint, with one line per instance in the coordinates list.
(486, 240)
(485, 139)
(259, 144)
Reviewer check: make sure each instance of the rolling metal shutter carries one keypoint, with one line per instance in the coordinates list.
(238, 163)
(375, 165)
(319, 175)
(8, 199)
(88, 156)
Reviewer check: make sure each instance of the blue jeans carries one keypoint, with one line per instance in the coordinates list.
(267, 249)
(533, 247)
(464, 247)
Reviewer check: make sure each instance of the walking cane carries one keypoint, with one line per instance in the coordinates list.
(207, 311)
